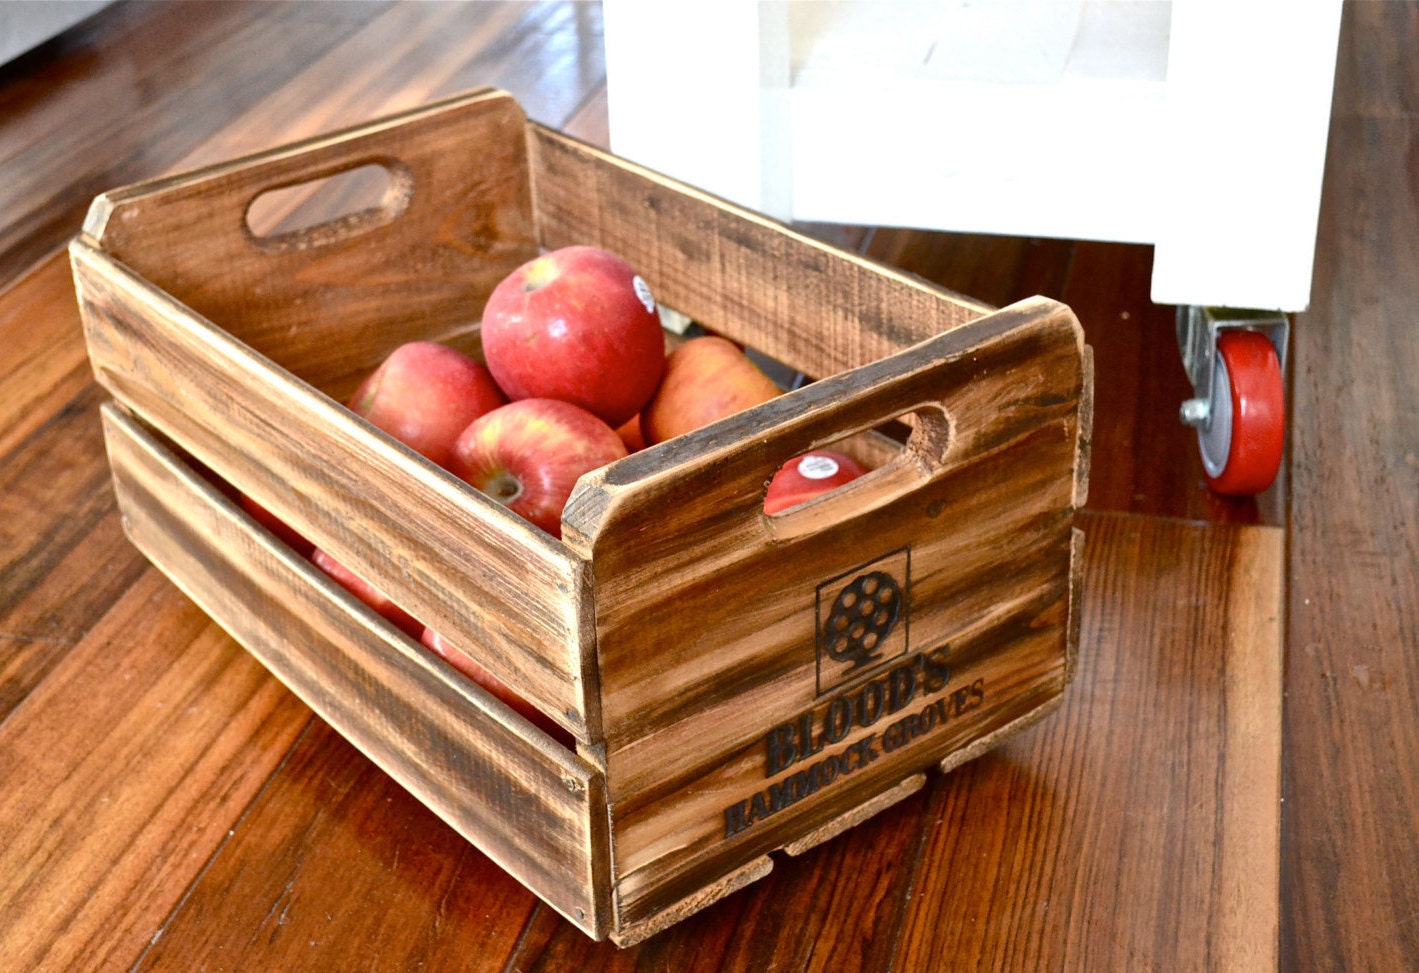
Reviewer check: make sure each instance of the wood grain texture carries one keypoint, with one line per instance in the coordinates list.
(719, 263)
(423, 54)
(433, 544)
(452, 222)
(139, 92)
(409, 892)
(43, 369)
(1352, 735)
(125, 770)
(149, 88)
(57, 576)
(526, 801)
(1168, 740)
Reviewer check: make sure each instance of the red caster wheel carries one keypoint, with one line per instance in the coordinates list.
(1242, 441)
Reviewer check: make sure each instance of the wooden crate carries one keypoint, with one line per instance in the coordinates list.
(676, 632)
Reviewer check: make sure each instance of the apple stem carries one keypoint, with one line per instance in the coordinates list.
(503, 487)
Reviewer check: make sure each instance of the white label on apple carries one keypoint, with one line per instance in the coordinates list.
(816, 467)
(643, 292)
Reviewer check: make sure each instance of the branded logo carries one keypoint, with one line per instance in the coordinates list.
(863, 619)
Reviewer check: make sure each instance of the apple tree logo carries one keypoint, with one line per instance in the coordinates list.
(864, 614)
(863, 619)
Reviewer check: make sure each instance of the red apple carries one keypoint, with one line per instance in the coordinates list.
(807, 476)
(576, 324)
(706, 378)
(528, 455)
(470, 667)
(284, 532)
(631, 435)
(424, 394)
(367, 593)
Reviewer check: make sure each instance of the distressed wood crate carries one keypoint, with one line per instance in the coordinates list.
(682, 638)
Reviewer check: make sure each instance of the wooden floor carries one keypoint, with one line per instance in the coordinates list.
(170, 806)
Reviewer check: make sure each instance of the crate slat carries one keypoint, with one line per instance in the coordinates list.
(453, 558)
(329, 303)
(435, 732)
(814, 307)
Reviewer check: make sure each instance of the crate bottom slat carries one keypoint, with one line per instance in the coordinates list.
(636, 932)
(851, 819)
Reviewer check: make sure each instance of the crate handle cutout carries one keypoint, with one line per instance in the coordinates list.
(1013, 376)
(459, 221)
(907, 467)
(329, 206)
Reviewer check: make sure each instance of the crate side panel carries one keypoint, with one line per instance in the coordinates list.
(507, 592)
(991, 645)
(330, 303)
(738, 812)
(800, 301)
(530, 805)
(684, 528)
(713, 662)
(731, 644)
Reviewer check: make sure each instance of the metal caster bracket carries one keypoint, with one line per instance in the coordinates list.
(1198, 328)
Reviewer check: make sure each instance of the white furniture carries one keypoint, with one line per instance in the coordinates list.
(25, 24)
(1198, 126)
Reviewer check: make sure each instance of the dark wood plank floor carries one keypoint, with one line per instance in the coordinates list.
(1351, 885)
(149, 88)
(998, 845)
